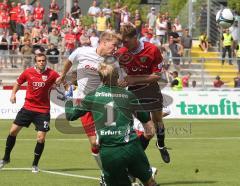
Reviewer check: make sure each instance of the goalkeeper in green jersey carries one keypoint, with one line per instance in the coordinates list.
(120, 149)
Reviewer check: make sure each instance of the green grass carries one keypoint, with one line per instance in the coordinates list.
(211, 146)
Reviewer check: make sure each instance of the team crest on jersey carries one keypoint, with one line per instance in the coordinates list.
(143, 59)
(125, 58)
(44, 78)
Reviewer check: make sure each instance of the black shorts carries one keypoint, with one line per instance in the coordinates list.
(149, 96)
(25, 117)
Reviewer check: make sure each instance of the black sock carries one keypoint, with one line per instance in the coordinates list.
(9, 146)
(37, 153)
(144, 141)
(161, 137)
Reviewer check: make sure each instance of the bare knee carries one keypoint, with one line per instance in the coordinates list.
(149, 130)
(41, 137)
(14, 130)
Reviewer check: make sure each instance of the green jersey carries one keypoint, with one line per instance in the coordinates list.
(112, 109)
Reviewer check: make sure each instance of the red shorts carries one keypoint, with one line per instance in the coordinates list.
(88, 124)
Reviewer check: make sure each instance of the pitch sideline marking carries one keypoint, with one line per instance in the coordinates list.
(53, 172)
(85, 139)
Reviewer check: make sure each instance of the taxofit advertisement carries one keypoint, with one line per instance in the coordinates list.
(189, 104)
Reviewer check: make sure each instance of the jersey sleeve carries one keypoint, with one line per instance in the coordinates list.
(157, 63)
(73, 57)
(22, 78)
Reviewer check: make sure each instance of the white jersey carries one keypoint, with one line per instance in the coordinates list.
(88, 61)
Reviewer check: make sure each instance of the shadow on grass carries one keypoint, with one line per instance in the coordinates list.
(188, 182)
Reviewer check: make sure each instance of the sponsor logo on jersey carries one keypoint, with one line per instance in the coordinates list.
(143, 59)
(125, 58)
(37, 85)
(44, 78)
(91, 68)
(110, 132)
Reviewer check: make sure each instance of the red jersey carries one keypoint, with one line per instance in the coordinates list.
(145, 60)
(185, 80)
(5, 19)
(13, 13)
(38, 89)
(38, 13)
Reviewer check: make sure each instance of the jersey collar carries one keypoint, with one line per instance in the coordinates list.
(139, 48)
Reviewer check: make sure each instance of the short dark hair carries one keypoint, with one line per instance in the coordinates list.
(128, 31)
(39, 55)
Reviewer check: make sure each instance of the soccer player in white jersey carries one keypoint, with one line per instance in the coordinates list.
(88, 60)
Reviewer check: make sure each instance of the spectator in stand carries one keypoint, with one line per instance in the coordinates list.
(53, 10)
(161, 28)
(38, 12)
(3, 49)
(154, 40)
(217, 83)
(70, 42)
(13, 17)
(174, 34)
(194, 84)
(145, 37)
(151, 18)
(237, 54)
(101, 23)
(4, 20)
(234, 32)
(117, 16)
(138, 22)
(4, 5)
(76, 12)
(27, 7)
(178, 27)
(107, 11)
(125, 16)
(185, 79)
(53, 55)
(176, 52)
(13, 49)
(84, 40)
(176, 83)
(29, 25)
(20, 20)
(53, 37)
(227, 40)
(67, 21)
(237, 81)
(203, 39)
(94, 39)
(27, 51)
(186, 41)
(93, 11)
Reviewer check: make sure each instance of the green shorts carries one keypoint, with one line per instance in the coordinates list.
(120, 161)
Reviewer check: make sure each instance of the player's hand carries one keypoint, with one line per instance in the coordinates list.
(13, 99)
(60, 80)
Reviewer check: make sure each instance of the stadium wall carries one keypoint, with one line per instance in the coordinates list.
(183, 104)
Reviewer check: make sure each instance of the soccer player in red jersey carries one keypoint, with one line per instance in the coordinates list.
(142, 62)
(36, 108)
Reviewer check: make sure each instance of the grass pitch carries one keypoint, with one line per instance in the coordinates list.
(203, 152)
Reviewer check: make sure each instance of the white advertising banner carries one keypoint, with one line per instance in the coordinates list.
(185, 104)
(9, 110)
(204, 104)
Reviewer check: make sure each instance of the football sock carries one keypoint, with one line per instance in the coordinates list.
(161, 136)
(96, 156)
(144, 141)
(37, 153)
(9, 146)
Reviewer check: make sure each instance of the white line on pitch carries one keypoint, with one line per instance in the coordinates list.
(53, 172)
(185, 138)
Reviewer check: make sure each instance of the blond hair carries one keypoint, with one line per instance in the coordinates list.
(108, 73)
(109, 36)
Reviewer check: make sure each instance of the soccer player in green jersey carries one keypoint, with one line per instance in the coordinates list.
(120, 149)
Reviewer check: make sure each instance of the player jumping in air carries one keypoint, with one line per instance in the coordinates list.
(120, 148)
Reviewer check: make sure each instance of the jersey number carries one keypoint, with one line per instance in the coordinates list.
(110, 114)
